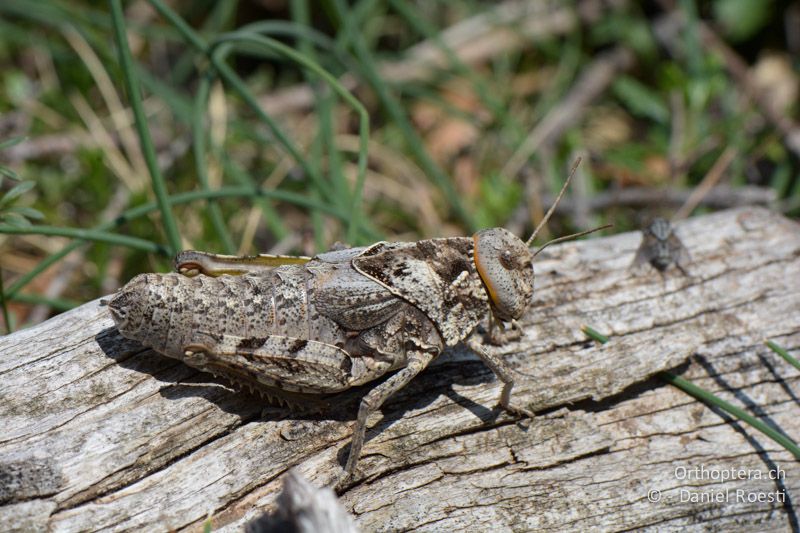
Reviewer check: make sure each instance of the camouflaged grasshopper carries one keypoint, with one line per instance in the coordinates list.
(298, 329)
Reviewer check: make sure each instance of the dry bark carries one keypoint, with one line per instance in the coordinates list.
(99, 433)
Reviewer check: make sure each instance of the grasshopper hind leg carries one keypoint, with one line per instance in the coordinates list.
(193, 263)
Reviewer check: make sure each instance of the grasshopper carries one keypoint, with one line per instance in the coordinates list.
(300, 329)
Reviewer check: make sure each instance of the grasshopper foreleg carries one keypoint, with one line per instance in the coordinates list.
(417, 361)
(503, 373)
(498, 335)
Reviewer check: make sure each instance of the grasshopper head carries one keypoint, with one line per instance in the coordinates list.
(505, 265)
(127, 308)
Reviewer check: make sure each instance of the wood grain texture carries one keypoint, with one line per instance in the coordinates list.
(97, 433)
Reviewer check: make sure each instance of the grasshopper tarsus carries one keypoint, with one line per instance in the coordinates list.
(498, 335)
(505, 402)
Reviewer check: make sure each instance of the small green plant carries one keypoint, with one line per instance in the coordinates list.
(12, 214)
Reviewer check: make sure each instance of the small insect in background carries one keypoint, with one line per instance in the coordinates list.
(661, 247)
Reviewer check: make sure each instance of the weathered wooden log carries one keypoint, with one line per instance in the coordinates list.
(97, 432)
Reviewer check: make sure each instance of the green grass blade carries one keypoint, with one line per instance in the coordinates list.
(594, 334)
(199, 150)
(182, 198)
(16, 191)
(239, 86)
(325, 105)
(299, 30)
(236, 83)
(395, 111)
(87, 235)
(94, 21)
(13, 141)
(43, 265)
(179, 104)
(285, 196)
(221, 17)
(783, 353)
(706, 397)
(132, 86)
(495, 105)
(7, 172)
(339, 89)
(3, 306)
(183, 28)
(59, 304)
(271, 216)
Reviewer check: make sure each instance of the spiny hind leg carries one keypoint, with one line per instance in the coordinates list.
(278, 361)
(192, 263)
(417, 361)
(202, 355)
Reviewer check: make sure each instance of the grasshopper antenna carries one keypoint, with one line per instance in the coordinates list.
(553, 207)
(567, 237)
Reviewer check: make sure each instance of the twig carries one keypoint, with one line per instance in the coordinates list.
(739, 70)
(509, 26)
(592, 83)
(676, 21)
(720, 197)
(708, 183)
(677, 134)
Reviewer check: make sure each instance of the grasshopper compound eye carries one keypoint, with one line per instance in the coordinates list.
(505, 265)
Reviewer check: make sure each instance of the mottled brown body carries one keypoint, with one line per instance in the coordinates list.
(322, 338)
(319, 326)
